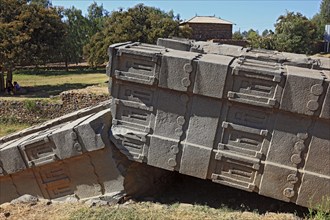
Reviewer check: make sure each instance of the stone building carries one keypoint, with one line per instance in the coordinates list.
(209, 27)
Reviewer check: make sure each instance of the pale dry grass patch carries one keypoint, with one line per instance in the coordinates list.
(80, 78)
(56, 211)
(148, 211)
(135, 211)
(326, 55)
(8, 128)
(97, 89)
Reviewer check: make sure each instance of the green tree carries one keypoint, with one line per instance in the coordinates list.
(96, 17)
(322, 18)
(320, 26)
(184, 30)
(9, 51)
(76, 36)
(294, 33)
(253, 38)
(265, 33)
(244, 34)
(140, 23)
(96, 49)
(267, 40)
(325, 11)
(237, 35)
(29, 34)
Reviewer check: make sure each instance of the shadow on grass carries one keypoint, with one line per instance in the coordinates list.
(45, 91)
(186, 189)
(58, 72)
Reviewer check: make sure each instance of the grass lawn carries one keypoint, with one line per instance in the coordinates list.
(47, 84)
(8, 128)
(44, 84)
(143, 211)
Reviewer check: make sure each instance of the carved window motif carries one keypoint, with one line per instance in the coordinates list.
(236, 173)
(55, 180)
(38, 151)
(132, 145)
(136, 94)
(256, 82)
(133, 115)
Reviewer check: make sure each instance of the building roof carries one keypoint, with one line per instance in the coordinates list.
(207, 19)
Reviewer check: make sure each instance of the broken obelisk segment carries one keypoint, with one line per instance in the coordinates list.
(251, 119)
(248, 122)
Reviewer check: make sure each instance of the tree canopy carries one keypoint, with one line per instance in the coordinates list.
(322, 18)
(30, 34)
(76, 37)
(33, 32)
(294, 33)
(325, 11)
(237, 35)
(140, 23)
(96, 17)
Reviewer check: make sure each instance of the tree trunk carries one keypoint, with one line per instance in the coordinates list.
(9, 75)
(66, 65)
(2, 82)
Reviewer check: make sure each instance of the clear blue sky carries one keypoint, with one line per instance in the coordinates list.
(246, 14)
